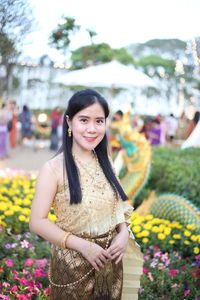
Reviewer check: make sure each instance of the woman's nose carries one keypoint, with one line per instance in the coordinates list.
(91, 127)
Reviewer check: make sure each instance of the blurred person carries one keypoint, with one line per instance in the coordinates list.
(13, 130)
(137, 123)
(192, 124)
(115, 123)
(146, 127)
(182, 127)
(56, 118)
(172, 125)
(90, 236)
(5, 117)
(25, 117)
(163, 129)
(154, 132)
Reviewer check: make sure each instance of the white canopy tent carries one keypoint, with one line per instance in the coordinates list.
(110, 75)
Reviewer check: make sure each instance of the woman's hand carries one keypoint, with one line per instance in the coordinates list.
(118, 246)
(96, 255)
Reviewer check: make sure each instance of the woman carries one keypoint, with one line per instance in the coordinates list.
(5, 117)
(90, 236)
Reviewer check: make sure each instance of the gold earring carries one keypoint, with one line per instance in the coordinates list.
(69, 132)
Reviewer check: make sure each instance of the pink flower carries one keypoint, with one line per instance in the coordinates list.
(29, 262)
(47, 291)
(172, 272)
(186, 293)
(156, 247)
(164, 256)
(175, 285)
(21, 297)
(4, 297)
(24, 244)
(9, 262)
(158, 253)
(39, 272)
(41, 262)
(145, 270)
(164, 296)
(150, 276)
(5, 284)
(23, 281)
(13, 290)
(146, 257)
(182, 268)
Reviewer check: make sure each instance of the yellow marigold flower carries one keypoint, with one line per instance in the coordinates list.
(3, 223)
(9, 212)
(187, 233)
(26, 211)
(147, 226)
(161, 236)
(137, 221)
(18, 201)
(145, 240)
(155, 229)
(27, 202)
(156, 221)
(186, 242)
(136, 228)
(22, 218)
(138, 235)
(196, 250)
(3, 206)
(145, 233)
(171, 241)
(149, 217)
(191, 226)
(177, 236)
(52, 217)
(167, 230)
(194, 238)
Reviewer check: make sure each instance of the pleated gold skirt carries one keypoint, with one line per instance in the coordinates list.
(68, 269)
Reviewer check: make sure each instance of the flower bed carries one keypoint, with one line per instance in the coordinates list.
(15, 201)
(23, 266)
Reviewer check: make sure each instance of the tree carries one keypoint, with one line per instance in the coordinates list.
(154, 62)
(84, 56)
(60, 38)
(15, 23)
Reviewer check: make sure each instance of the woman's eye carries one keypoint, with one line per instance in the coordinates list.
(83, 120)
(100, 121)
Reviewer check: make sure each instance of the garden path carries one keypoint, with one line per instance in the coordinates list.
(25, 158)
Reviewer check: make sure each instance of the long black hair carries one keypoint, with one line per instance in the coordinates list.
(79, 101)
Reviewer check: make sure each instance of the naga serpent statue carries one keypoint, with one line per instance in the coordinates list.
(133, 163)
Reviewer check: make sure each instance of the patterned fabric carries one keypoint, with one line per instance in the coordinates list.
(68, 266)
(93, 215)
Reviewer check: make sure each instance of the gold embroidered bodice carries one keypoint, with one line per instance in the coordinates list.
(93, 215)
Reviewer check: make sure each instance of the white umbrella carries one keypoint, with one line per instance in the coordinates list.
(112, 74)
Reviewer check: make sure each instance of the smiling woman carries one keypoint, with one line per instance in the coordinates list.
(90, 236)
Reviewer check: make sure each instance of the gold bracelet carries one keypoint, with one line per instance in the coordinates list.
(63, 241)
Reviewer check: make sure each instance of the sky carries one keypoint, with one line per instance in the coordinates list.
(118, 23)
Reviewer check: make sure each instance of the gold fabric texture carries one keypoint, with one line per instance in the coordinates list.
(93, 215)
(69, 266)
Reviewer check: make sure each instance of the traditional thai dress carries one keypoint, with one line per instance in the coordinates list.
(72, 276)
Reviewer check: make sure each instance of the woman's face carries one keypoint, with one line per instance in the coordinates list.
(88, 128)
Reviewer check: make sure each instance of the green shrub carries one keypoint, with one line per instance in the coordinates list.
(174, 171)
